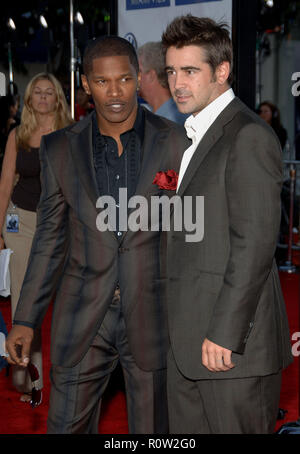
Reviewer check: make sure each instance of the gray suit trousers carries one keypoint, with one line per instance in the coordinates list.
(229, 406)
(76, 392)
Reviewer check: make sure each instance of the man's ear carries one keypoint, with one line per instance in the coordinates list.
(139, 76)
(222, 72)
(85, 84)
(152, 75)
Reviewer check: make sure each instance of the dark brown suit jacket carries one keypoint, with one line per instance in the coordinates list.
(226, 288)
(83, 265)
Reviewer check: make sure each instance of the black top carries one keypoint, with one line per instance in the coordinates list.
(113, 171)
(26, 193)
(282, 135)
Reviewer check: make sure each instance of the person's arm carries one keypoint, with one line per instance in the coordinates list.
(7, 179)
(44, 264)
(253, 186)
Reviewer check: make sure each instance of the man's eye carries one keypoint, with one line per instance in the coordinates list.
(125, 79)
(170, 72)
(101, 81)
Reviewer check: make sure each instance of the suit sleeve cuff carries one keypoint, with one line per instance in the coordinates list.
(30, 325)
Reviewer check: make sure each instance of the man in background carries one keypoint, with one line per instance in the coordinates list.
(154, 88)
(83, 105)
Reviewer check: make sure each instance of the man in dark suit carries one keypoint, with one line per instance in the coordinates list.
(109, 285)
(227, 320)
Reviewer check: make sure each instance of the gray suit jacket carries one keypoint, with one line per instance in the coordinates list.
(71, 257)
(226, 288)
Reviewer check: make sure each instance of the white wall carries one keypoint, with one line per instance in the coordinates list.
(147, 24)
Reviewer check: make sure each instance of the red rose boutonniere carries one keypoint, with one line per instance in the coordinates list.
(166, 180)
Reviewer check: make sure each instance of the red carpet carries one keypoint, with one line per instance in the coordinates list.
(289, 399)
(19, 418)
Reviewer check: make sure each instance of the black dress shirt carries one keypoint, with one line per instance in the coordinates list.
(113, 171)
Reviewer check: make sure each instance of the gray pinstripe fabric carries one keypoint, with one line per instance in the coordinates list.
(77, 391)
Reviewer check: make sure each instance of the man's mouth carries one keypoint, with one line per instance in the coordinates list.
(182, 97)
(115, 106)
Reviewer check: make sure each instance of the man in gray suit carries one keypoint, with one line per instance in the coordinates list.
(227, 320)
(109, 286)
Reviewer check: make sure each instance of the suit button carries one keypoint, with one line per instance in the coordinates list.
(123, 249)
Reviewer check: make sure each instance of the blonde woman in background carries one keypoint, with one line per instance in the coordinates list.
(45, 110)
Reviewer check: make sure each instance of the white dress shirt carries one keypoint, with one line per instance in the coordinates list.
(197, 126)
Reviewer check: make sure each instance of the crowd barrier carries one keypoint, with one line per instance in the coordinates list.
(289, 194)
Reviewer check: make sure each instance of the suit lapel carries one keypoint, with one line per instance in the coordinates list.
(82, 151)
(151, 156)
(209, 139)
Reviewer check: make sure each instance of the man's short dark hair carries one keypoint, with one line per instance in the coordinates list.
(213, 37)
(108, 46)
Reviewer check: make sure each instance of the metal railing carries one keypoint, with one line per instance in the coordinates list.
(288, 265)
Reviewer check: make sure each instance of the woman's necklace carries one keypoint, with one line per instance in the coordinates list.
(46, 130)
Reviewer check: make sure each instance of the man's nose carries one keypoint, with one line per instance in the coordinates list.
(114, 89)
(179, 81)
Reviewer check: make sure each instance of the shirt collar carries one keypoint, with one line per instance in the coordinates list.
(197, 125)
(138, 126)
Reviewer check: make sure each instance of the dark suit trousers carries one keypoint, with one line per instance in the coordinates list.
(222, 406)
(76, 392)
